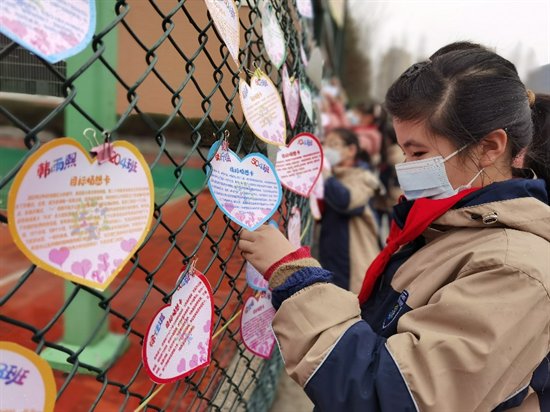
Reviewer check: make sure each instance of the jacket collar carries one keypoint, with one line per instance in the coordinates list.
(517, 203)
(507, 190)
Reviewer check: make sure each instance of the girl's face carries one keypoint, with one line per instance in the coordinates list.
(347, 153)
(418, 143)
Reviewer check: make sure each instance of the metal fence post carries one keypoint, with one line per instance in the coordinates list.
(85, 324)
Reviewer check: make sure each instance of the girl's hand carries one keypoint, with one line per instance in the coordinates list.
(264, 247)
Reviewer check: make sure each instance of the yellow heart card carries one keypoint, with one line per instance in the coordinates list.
(79, 219)
(26, 380)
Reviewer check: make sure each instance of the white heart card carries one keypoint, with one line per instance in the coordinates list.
(299, 165)
(26, 380)
(314, 207)
(273, 36)
(263, 109)
(79, 219)
(319, 188)
(305, 8)
(317, 194)
(256, 331)
(291, 95)
(314, 69)
(255, 279)
(294, 227)
(337, 9)
(303, 55)
(179, 338)
(53, 30)
(226, 20)
(307, 100)
(247, 190)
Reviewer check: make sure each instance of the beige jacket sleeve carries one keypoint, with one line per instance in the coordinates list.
(475, 344)
(359, 184)
(477, 341)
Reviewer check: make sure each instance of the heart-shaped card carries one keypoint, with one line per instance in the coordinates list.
(319, 188)
(255, 279)
(314, 69)
(256, 331)
(248, 191)
(226, 20)
(291, 95)
(303, 56)
(294, 227)
(305, 8)
(53, 30)
(314, 207)
(307, 100)
(299, 165)
(318, 193)
(179, 338)
(337, 10)
(263, 108)
(273, 36)
(26, 380)
(79, 219)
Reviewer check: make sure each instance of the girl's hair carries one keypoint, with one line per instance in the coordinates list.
(464, 92)
(366, 108)
(350, 139)
(538, 152)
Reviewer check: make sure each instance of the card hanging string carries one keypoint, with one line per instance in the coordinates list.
(107, 143)
(192, 266)
(249, 72)
(306, 228)
(257, 70)
(225, 141)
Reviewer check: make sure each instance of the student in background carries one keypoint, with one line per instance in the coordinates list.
(391, 155)
(364, 122)
(349, 234)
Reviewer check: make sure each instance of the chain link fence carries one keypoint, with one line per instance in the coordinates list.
(173, 105)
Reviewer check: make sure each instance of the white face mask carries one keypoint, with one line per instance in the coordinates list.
(333, 156)
(353, 118)
(428, 178)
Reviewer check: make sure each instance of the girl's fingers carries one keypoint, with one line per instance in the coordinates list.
(247, 235)
(245, 255)
(246, 246)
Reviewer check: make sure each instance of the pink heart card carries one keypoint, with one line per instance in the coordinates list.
(291, 95)
(179, 338)
(256, 331)
(299, 164)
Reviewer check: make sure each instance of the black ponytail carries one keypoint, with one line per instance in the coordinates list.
(538, 152)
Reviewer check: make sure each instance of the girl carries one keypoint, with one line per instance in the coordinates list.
(454, 314)
(349, 241)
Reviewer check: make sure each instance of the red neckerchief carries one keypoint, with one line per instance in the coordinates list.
(423, 212)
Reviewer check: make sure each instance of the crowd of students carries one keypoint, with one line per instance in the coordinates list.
(360, 184)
